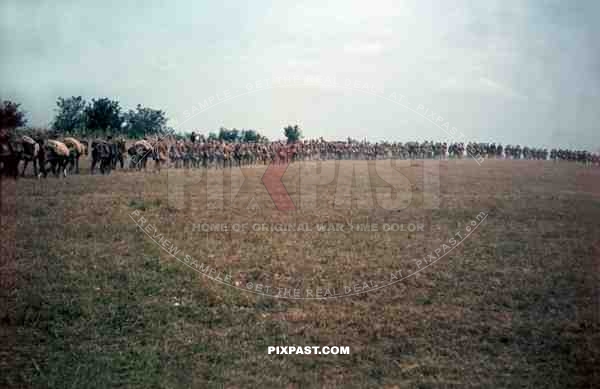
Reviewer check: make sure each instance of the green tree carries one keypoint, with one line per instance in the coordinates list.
(228, 135)
(11, 115)
(104, 115)
(145, 121)
(212, 136)
(250, 136)
(70, 117)
(293, 134)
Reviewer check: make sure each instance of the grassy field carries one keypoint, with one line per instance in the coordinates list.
(90, 300)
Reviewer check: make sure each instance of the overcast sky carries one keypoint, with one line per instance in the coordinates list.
(515, 72)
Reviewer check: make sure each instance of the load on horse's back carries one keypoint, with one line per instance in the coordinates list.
(56, 154)
(76, 150)
(28, 140)
(139, 153)
(71, 142)
(58, 147)
(31, 152)
(144, 144)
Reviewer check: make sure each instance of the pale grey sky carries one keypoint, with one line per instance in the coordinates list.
(508, 71)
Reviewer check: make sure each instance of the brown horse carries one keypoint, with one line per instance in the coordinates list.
(56, 155)
(31, 151)
(102, 155)
(139, 154)
(76, 150)
(10, 154)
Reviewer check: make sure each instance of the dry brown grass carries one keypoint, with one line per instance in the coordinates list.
(90, 301)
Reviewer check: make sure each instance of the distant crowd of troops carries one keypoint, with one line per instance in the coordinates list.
(61, 156)
(190, 153)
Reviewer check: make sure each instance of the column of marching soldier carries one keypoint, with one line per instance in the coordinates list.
(61, 155)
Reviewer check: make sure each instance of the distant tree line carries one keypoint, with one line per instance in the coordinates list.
(102, 117)
(235, 135)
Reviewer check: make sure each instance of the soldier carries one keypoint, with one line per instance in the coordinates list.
(121, 147)
(10, 154)
(113, 151)
(160, 154)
